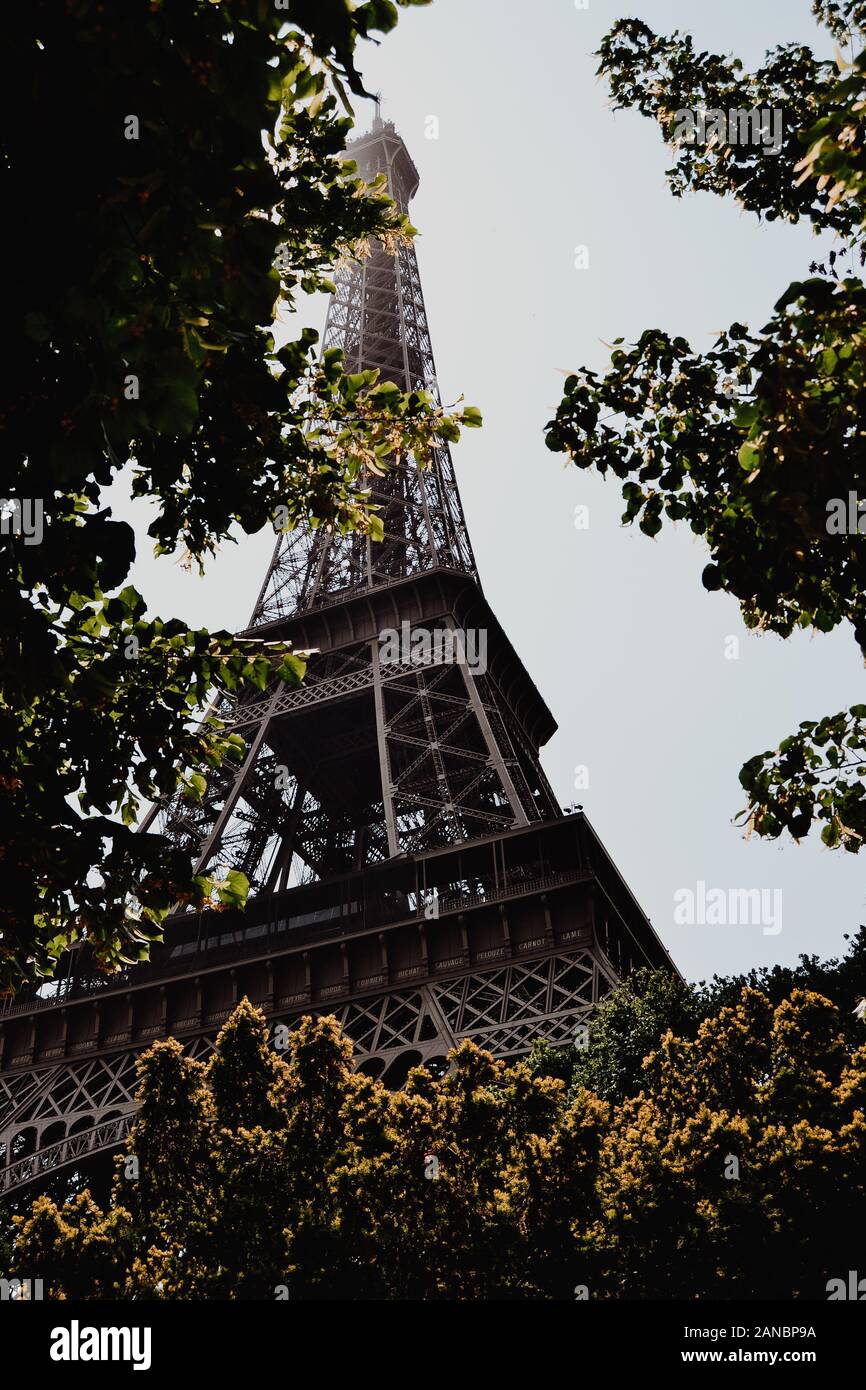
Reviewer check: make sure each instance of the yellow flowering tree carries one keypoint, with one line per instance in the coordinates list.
(737, 1170)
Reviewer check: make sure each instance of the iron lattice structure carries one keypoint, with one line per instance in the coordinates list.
(410, 869)
(378, 319)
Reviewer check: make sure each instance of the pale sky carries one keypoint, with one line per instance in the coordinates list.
(624, 644)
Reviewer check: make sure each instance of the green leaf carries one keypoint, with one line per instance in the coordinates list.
(196, 786)
(386, 393)
(233, 891)
(292, 669)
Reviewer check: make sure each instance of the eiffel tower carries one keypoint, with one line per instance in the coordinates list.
(410, 869)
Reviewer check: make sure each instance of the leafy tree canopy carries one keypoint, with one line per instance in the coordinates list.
(630, 1023)
(759, 443)
(736, 1171)
(176, 178)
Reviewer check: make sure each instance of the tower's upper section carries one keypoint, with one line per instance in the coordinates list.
(383, 151)
(377, 317)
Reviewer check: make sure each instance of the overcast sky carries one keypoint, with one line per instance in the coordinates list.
(623, 642)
